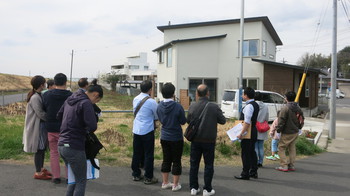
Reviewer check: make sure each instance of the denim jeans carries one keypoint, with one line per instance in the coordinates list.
(77, 161)
(143, 148)
(259, 149)
(274, 145)
(208, 151)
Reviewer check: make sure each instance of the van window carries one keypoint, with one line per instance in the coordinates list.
(277, 99)
(266, 98)
(229, 95)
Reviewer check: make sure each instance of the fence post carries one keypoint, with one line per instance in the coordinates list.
(3, 98)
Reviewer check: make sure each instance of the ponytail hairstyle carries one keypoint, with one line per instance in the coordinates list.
(94, 87)
(36, 82)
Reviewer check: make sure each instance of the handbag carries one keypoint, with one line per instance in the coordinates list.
(92, 148)
(262, 127)
(193, 126)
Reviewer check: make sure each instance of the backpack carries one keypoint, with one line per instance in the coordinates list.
(193, 126)
(300, 120)
(92, 148)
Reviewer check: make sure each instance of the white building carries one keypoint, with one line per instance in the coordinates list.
(208, 52)
(136, 68)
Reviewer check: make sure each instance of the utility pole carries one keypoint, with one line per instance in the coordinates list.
(333, 73)
(71, 70)
(240, 84)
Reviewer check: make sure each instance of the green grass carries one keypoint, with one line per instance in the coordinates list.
(11, 132)
(305, 147)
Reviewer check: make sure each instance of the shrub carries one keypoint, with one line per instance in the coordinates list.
(305, 147)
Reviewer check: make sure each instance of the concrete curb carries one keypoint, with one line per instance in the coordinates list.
(322, 140)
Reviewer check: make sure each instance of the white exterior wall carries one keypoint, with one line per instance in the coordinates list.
(214, 58)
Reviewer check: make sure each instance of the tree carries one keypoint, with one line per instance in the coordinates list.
(343, 58)
(111, 78)
(315, 60)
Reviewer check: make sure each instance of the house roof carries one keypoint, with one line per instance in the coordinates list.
(188, 40)
(315, 70)
(264, 19)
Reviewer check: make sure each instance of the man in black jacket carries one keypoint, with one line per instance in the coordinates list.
(204, 140)
(249, 115)
(52, 101)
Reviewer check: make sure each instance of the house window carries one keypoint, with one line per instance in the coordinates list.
(250, 47)
(169, 57)
(211, 83)
(264, 48)
(160, 57)
(145, 67)
(161, 86)
(134, 66)
(140, 78)
(251, 82)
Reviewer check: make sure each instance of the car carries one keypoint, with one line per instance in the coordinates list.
(338, 94)
(230, 99)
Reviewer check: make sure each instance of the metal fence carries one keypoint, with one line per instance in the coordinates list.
(12, 97)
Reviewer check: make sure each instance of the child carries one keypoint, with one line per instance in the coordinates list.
(275, 139)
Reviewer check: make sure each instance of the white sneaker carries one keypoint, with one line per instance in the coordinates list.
(167, 186)
(195, 191)
(206, 193)
(176, 188)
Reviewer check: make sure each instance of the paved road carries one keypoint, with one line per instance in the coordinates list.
(8, 99)
(321, 175)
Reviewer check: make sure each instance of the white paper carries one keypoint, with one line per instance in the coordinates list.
(235, 131)
(91, 172)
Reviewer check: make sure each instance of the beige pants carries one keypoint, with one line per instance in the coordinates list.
(287, 141)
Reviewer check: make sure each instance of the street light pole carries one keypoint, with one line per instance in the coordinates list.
(240, 84)
(71, 70)
(333, 73)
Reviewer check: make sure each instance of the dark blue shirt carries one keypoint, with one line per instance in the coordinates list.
(172, 116)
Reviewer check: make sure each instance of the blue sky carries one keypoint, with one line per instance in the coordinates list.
(37, 36)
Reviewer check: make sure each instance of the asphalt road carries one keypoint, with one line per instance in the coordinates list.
(325, 174)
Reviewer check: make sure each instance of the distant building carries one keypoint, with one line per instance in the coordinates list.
(135, 69)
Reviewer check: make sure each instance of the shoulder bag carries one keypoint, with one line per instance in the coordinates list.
(193, 126)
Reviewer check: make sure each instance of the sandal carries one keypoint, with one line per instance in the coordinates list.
(42, 176)
(46, 172)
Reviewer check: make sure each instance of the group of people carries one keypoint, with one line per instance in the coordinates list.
(171, 115)
(62, 119)
(59, 119)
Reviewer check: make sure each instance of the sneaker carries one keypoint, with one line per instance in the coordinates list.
(137, 178)
(291, 168)
(150, 180)
(195, 191)
(41, 176)
(273, 158)
(167, 186)
(56, 180)
(260, 165)
(206, 193)
(176, 188)
(276, 156)
(281, 169)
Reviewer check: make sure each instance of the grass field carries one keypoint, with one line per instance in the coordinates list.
(115, 132)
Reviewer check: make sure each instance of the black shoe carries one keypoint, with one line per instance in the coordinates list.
(56, 180)
(150, 180)
(137, 178)
(255, 175)
(260, 165)
(242, 177)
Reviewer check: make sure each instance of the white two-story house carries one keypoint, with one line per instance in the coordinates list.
(208, 52)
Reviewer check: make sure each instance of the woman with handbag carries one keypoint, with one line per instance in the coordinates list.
(263, 117)
(78, 119)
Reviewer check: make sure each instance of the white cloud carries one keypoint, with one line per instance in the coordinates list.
(37, 36)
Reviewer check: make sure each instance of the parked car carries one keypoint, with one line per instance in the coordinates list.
(338, 94)
(230, 99)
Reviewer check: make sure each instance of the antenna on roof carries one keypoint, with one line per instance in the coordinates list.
(169, 23)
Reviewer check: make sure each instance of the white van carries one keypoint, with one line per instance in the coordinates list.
(230, 99)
